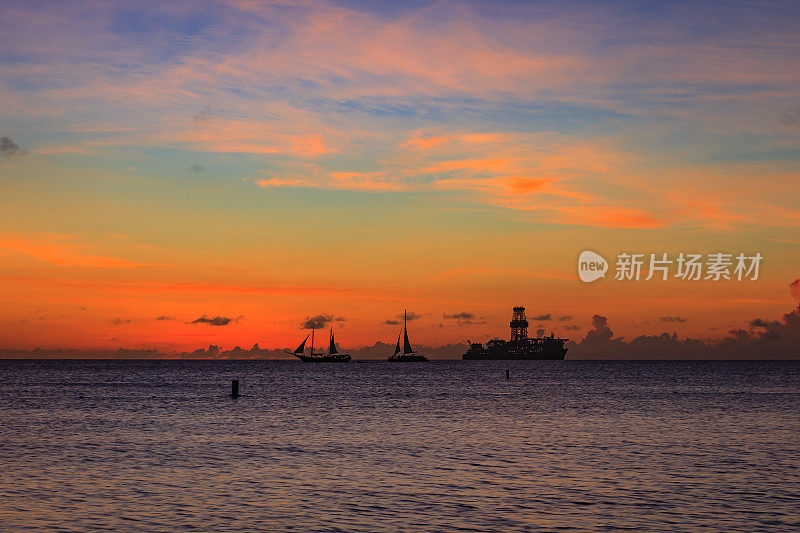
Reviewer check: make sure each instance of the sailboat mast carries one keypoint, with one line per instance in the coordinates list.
(312, 341)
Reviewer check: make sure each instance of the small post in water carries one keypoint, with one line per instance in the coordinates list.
(508, 374)
(235, 388)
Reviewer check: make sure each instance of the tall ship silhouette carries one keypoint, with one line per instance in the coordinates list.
(332, 356)
(520, 346)
(407, 355)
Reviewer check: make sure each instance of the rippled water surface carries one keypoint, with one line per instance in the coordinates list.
(370, 446)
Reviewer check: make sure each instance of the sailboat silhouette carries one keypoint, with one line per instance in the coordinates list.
(408, 354)
(333, 355)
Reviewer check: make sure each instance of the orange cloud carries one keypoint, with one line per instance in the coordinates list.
(47, 249)
(526, 185)
(421, 143)
(478, 166)
(609, 216)
(280, 182)
(379, 181)
(250, 136)
(418, 58)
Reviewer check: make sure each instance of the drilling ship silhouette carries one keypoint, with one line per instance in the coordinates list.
(520, 346)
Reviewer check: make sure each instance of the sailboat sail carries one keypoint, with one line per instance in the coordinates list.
(332, 356)
(406, 344)
(407, 349)
(332, 348)
(408, 355)
(300, 349)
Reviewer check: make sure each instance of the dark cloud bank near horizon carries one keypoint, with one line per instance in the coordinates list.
(764, 339)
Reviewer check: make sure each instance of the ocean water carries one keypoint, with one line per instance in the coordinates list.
(370, 446)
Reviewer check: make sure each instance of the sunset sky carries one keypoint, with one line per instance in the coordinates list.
(267, 162)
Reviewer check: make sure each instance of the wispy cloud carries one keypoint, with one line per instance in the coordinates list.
(281, 182)
(216, 320)
(502, 109)
(410, 315)
(203, 116)
(459, 316)
(60, 250)
(791, 116)
(319, 321)
(463, 319)
(9, 148)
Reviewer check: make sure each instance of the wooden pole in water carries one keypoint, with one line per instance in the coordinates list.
(508, 374)
(235, 388)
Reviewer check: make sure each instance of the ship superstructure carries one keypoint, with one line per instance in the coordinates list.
(520, 346)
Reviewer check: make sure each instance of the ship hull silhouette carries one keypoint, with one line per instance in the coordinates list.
(325, 358)
(407, 358)
(520, 347)
(333, 355)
